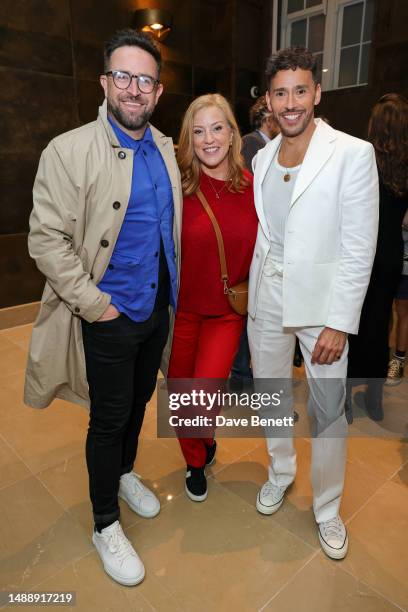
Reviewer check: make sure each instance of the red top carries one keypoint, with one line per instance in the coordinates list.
(201, 288)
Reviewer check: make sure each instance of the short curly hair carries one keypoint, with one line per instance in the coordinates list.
(290, 59)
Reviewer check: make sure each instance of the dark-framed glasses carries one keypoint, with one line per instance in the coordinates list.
(123, 79)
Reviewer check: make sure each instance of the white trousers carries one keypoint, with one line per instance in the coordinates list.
(272, 349)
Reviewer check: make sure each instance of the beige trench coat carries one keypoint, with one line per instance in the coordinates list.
(73, 230)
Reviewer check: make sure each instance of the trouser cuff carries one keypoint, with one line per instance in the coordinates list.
(106, 518)
(126, 469)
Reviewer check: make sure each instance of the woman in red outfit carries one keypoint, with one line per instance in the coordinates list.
(207, 329)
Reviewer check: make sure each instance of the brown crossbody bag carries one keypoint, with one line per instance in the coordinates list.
(237, 295)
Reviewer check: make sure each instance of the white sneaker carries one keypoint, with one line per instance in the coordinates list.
(270, 498)
(137, 496)
(118, 556)
(333, 538)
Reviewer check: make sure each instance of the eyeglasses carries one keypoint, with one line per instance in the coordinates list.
(122, 80)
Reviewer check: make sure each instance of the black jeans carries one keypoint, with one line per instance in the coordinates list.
(122, 360)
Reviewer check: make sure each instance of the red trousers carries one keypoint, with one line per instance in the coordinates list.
(203, 347)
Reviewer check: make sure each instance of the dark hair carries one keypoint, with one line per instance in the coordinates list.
(388, 133)
(258, 113)
(131, 38)
(290, 59)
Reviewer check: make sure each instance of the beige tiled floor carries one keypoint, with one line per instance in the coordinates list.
(216, 556)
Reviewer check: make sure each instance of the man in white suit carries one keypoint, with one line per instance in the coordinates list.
(316, 194)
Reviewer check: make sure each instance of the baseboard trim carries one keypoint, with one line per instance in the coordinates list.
(18, 315)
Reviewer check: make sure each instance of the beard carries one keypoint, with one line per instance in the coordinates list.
(129, 120)
(291, 133)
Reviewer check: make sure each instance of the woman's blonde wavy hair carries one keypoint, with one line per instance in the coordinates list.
(188, 162)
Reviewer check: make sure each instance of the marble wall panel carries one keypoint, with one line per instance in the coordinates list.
(212, 34)
(35, 52)
(90, 97)
(348, 110)
(94, 22)
(41, 16)
(205, 81)
(391, 63)
(88, 59)
(248, 50)
(35, 35)
(177, 78)
(391, 20)
(17, 173)
(169, 113)
(33, 109)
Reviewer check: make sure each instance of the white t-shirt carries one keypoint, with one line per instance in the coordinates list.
(277, 195)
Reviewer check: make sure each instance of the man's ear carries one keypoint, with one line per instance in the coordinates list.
(318, 94)
(104, 83)
(268, 101)
(159, 92)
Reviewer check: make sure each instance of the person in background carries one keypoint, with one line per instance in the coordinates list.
(369, 350)
(106, 199)
(264, 129)
(397, 363)
(207, 329)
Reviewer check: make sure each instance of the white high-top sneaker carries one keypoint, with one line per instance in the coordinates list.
(270, 498)
(333, 538)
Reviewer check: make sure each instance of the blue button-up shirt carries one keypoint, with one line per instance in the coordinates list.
(132, 274)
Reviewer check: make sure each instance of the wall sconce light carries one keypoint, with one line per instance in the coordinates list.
(154, 21)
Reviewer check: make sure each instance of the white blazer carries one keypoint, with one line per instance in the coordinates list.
(331, 231)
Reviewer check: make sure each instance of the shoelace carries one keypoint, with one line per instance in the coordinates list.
(394, 367)
(333, 528)
(134, 481)
(119, 545)
(271, 488)
(137, 484)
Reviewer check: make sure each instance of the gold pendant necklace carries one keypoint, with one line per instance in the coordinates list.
(287, 176)
(217, 193)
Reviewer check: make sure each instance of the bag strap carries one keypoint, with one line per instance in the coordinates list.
(220, 242)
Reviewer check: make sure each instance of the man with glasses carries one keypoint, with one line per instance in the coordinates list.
(105, 232)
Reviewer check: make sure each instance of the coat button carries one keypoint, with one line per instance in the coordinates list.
(116, 205)
(121, 155)
(76, 309)
(156, 254)
(153, 285)
(110, 267)
(104, 243)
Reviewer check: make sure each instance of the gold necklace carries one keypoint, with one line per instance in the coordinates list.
(287, 176)
(217, 193)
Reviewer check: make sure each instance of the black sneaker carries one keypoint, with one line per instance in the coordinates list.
(196, 483)
(211, 454)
